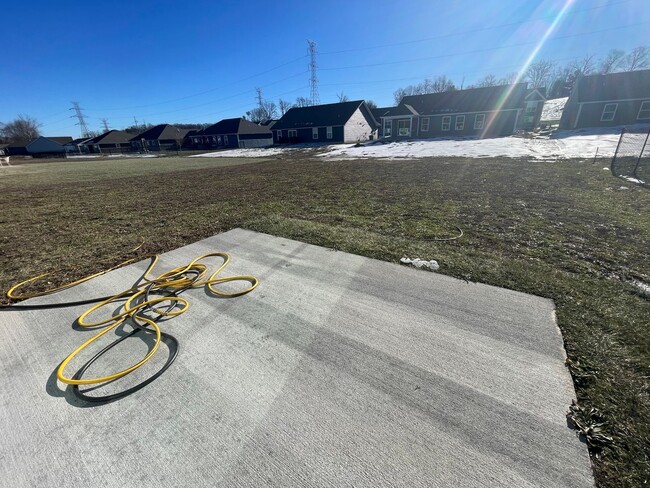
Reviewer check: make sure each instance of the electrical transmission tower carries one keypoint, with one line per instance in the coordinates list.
(313, 80)
(105, 124)
(81, 118)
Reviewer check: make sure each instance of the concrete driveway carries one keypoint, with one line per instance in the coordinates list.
(338, 370)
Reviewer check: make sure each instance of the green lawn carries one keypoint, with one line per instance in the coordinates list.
(566, 231)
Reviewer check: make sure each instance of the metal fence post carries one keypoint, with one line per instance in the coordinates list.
(620, 139)
(638, 161)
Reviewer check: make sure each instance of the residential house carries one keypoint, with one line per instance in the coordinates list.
(533, 107)
(113, 141)
(478, 112)
(232, 133)
(76, 146)
(608, 100)
(334, 122)
(40, 146)
(163, 137)
(379, 113)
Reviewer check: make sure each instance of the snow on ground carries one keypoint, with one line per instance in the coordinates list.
(553, 109)
(243, 153)
(561, 145)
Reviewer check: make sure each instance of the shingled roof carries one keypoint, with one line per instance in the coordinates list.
(111, 137)
(162, 132)
(234, 126)
(329, 115)
(471, 100)
(612, 86)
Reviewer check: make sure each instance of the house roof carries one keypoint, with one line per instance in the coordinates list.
(161, 132)
(60, 139)
(612, 86)
(110, 137)
(235, 126)
(471, 100)
(332, 114)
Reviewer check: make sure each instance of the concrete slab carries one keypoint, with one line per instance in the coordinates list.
(337, 371)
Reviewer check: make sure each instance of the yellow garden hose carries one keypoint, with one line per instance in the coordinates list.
(136, 300)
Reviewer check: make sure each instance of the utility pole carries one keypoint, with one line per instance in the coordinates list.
(313, 80)
(105, 124)
(81, 118)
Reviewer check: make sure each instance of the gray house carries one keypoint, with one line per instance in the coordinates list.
(159, 138)
(113, 141)
(608, 100)
(41, 146)
(478, 112)
(233, 133)
(334, 122)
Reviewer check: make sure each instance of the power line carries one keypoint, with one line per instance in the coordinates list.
(472, 31)
(80, 117)
(203, 92)
(488, 49)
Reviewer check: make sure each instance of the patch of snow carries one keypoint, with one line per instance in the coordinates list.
(82, 156)
(244, 153)
(419, 263)
(563, 144)
(632, 180)
(644, 287)
(552, 109)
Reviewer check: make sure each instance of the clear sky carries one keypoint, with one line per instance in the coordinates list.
(200, 61)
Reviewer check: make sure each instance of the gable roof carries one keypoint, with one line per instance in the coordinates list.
(161, 132)
(60, 139)
(481, 99)
(612, 86)
(331, 114)
(110, 137)
(235, 126)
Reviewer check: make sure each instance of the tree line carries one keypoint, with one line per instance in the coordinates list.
(557, 79)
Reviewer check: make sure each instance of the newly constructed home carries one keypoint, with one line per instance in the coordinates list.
(158, 138)
(40, 146)
(233, 133)
(334, 122)
(608, 100)
(479, 112)
(113, 141)
(532, 110)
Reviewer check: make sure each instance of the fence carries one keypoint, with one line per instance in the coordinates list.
(632, 156)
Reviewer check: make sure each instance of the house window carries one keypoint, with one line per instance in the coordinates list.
(279, 134)
(446, 122)
(479, 121)
(218, 140)
(608, 112)
(404, 127)
(329, 133)
(314, 133)
(424, 124)
(460, 122)
(293, 134)
(531, 108)
(388, 128)
(225, 140)
(644, 111)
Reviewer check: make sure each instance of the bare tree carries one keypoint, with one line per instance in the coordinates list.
(265, 110)
(303, 102)
(489, 80)
(441, 84)
(612, 62)
(371, 104)
(342, 97)
(539, 73)
(584, 66)
(639, 58)
(22, 128)
(401, 93)
(284, 106)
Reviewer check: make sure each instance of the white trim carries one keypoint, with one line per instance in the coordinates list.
(442, 123)
(453, 113)
(476, 122)
(602, 116)
(428, 119)
(295, 133)
(460, 118)
(641, 109)
(616, 100)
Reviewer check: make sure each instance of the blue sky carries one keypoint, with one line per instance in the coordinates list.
(200, 61)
